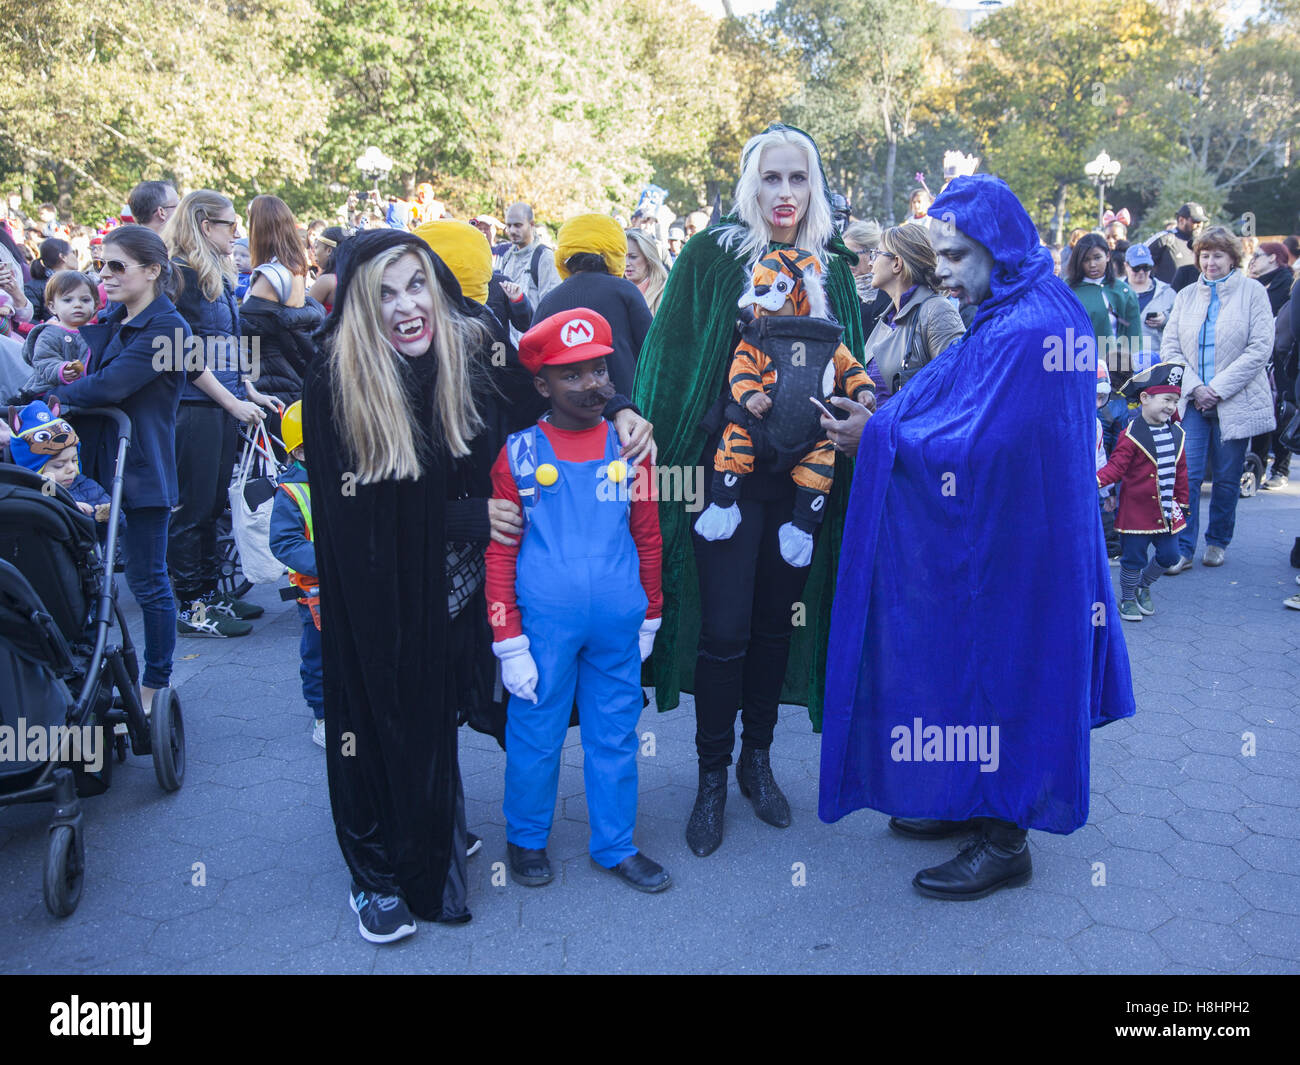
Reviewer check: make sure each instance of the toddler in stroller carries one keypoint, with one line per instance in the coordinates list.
(67, 657)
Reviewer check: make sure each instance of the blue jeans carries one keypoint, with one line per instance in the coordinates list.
(313, 689)
(1135, 547)
(1205, 443)
(146, 576)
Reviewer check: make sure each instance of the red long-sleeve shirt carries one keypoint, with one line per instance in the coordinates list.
(584, 445)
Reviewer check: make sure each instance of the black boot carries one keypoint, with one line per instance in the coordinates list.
(704, 829)
(929, 828)
(998, 859)
(754, 775)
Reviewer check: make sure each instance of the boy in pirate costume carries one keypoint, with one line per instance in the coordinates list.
(575, 606)
(1148, 462)
(790, 352)
(292, 543)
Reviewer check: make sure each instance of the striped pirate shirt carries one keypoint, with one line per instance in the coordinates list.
(1166, 465)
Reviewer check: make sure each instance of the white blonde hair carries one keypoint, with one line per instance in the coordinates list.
(370, 399)
(754, 233)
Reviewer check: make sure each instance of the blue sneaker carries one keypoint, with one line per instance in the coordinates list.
(380, 918)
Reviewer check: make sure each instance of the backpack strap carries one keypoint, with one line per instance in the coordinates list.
(533, 268)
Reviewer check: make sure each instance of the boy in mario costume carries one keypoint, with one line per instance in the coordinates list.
(574, 607)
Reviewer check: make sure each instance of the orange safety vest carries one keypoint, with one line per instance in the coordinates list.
(308, 586)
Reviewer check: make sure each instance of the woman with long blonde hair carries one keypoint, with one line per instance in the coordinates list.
(749, 652)
(400, 487)
(200, 236)
(644, 267)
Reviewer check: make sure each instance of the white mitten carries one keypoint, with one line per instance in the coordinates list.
(718, 523)
(646, 637)
(796, 545)
(518, 670)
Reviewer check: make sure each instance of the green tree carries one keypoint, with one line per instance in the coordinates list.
(1049, 84)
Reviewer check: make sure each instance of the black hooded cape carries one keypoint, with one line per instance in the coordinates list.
(394, 667)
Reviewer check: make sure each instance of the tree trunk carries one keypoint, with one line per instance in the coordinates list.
(1058, 233)
(66, 183)
(891, 156)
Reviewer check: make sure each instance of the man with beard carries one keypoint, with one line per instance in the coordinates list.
(975, 636)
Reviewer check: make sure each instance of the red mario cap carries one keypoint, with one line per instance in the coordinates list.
(570, 336)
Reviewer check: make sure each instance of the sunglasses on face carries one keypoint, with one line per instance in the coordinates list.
(231, 222)
(116, 267)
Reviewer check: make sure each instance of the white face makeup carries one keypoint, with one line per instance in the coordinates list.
(406, 300)
(783, 189)
(964, 266)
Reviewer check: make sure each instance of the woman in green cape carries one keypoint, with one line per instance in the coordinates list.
(742, 629)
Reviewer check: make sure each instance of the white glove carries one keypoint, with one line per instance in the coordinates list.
(518, 670)
(646, 637)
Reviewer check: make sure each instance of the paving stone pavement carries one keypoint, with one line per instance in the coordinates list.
(1198, 841)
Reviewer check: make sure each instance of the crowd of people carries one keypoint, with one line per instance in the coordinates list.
(464, 425)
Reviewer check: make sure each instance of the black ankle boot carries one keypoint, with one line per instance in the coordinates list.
(704, 829)
(998, 859)
(754, 775)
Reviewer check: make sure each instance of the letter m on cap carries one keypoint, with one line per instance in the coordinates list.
(578, 331)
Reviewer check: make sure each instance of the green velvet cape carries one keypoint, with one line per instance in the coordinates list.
(682, 370)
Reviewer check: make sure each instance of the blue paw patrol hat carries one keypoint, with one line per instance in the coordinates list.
(39, 435)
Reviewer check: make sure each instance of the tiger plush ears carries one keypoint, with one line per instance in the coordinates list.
(788, 274)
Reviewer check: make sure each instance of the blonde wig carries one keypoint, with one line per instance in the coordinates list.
(754, 233)
(367, 377)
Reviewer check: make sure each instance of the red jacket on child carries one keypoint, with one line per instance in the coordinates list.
(1133, 465)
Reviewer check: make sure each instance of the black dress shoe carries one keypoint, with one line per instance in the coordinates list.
(980, 869)
(929, 828)
(529, 867)
(639, 871)
(704, 829)
(754, 775)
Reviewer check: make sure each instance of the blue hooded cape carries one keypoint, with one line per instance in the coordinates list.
(974, 593)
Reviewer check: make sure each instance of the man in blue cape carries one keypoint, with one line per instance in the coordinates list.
(975, 638)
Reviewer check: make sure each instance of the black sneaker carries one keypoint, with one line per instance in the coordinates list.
(231, 607)
(199, 620)
(473, 844)
(380, 918)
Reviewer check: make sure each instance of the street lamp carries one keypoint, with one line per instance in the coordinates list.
(374, 165)
(1102, 171)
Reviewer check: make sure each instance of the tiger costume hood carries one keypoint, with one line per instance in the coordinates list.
(787, 274)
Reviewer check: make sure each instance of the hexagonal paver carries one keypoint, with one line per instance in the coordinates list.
(1133, 830)
(1274, 853)
(1139, 799)
(1139, 909)
(1208, 826)
(1206, 861)
(1267, 890)
(1210, 795)
(1202, 943)
(1205, 900)
(1106, 949)
(1220, 768)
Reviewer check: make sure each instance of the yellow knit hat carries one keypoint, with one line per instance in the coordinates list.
(596, 233)
(466, 252)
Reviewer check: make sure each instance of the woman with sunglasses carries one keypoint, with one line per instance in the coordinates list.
(200, 236)
(122, 372)
(920, 323)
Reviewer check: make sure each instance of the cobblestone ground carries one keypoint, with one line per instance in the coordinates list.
(1198, 839)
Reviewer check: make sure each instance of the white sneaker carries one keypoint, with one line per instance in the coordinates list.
(1293, 602)
(318, 733)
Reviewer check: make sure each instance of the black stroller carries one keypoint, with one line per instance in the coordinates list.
(68, 669)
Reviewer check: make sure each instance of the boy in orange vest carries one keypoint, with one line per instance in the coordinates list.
(291, 543)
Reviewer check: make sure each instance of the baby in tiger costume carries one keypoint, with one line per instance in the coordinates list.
(789, 353)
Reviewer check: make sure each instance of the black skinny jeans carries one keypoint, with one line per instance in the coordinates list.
(747, 597)
(205, 456)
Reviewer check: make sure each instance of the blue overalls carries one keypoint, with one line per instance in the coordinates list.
(581, 606)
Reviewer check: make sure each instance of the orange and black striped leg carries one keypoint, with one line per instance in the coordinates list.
(734, 459)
